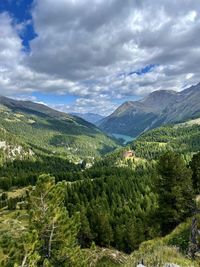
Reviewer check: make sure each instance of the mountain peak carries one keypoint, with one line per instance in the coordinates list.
(160, 99)
(158, 108)
(123, 107)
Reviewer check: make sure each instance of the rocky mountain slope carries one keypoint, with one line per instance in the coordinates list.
(159, 108)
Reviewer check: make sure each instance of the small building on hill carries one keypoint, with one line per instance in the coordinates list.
(128, 154)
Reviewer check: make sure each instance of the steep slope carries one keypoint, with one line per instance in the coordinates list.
(129, 121)
(186, 106)
(45, 128)
(160, 107)
(170, 250)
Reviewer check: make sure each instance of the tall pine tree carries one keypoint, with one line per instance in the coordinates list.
(176, 195)
(195, 166)
(56, 233)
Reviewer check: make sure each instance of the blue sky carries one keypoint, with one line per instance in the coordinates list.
(91, 60)
(19, 10)
(54, 99)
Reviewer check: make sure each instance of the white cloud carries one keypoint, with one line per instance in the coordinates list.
(87, 49)
(98, 106)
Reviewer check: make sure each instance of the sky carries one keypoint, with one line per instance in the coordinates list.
(92, 55)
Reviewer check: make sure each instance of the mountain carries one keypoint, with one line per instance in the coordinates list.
(158, 108)
(90, 117)
(39, 126)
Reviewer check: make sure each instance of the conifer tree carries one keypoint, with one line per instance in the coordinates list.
(56, 232)
(85, 236)
(50, 237)
(176, 195)
(195, 166)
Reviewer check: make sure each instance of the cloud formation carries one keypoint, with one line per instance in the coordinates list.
(89, 48)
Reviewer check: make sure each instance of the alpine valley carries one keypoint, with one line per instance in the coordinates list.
(99, 133)
(71, 195)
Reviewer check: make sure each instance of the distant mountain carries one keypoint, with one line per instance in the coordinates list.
(158, 108)
(90, 117)
(37, 125)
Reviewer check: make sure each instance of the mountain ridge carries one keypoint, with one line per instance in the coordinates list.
(158, 108)
(93, 118)
(38, 125)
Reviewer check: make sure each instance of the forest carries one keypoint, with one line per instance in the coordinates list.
(182, 138)
(103, 206)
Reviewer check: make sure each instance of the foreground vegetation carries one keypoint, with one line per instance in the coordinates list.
(65, 222)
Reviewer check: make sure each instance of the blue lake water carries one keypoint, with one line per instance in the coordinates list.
(126, 138)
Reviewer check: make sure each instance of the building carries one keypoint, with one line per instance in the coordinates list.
(128, 154)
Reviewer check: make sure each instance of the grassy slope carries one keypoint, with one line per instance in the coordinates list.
(65, 135)
(157, 252)
(169, 249)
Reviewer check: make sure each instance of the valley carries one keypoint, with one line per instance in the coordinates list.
(99, 133)
(125, 138)
(119, 200)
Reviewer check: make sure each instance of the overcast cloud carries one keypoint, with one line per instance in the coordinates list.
(94, 49)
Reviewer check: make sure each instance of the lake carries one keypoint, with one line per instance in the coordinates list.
(126, 138)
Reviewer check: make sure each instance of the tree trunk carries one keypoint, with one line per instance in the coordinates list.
(193, 244)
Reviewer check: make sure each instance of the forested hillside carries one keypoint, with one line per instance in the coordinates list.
(41, 127)
(183, 138)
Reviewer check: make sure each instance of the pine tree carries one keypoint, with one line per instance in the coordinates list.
(176, 195)
(85, 236)
(195, 166)
(56, 233)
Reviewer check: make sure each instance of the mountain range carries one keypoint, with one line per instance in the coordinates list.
(90, 117)
(159, 108)
(45, 128)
